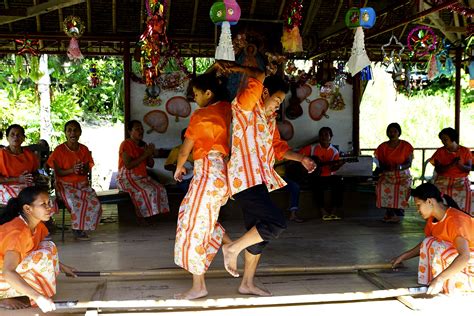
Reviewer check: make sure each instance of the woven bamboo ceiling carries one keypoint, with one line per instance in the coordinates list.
(112, 23)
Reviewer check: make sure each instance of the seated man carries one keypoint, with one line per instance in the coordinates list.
(291, 187)
(327, 160)
(170, 165)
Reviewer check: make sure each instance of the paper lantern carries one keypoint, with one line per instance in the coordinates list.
(364, 17)
(225, 13)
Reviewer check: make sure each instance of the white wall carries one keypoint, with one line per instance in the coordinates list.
(305, 129)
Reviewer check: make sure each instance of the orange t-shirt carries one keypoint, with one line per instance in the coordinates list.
(14, 165)
(444, 157)
(17, 236)
(209, 129)
(392, 157)
(324, 155)
(133, 151)
(454, 224)
(65, 158)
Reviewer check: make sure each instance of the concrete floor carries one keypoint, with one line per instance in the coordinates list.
(312, 243)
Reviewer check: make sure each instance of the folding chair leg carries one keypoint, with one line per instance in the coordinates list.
(64, 223)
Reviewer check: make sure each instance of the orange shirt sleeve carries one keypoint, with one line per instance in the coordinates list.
(191, 132)
(280, 146)
(306, 150)
(248, 98)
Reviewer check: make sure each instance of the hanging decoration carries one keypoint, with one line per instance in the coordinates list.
(421, 41)
(341, 75)
(364, 17)
(74, 28)
(460, 8)
(318, 108)
(93, 76)
(393, 63)
(446, 68)
(273, 62)
(291, 39)
(157, 121)
(152, 96)
(178, 106)
(225, 13)
(152, 41)
(28, 46)
(359, 59)
(35, 73)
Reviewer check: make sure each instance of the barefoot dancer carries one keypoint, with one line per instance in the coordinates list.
(199, 235)
(255, 143)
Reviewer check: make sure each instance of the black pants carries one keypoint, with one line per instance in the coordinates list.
(259, 210)
(334, 184)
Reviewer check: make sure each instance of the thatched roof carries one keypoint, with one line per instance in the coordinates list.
(112, 23)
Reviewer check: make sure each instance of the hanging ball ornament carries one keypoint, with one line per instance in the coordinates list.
(73, 26)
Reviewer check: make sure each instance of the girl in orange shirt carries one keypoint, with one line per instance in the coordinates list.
(148, 196)
(447, 253)
(29, 264)
(17, 164)
(72, 163)
(199, 235)
(452, 165)
(393, 187)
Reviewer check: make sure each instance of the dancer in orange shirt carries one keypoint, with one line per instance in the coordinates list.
(29, 264)
(447, 253)
(199, 235)
(72, 163)
(393, 187)
(17, 164)
(452, 165)
(255, 144)
(148, 196)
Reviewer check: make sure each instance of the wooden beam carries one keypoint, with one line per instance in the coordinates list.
(338, 10)
(10, 27)
(356, 98)
(282, 7)
(89, 16)
(127, 67)
(13, 11)
(252, 8)
(39, 9)
(114, 16)
(439, 23)
(308, 22)
(457, 91)
(193, 26)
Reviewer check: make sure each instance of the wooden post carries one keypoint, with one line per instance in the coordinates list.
(127, 66)
(457, 92)
(356, 96)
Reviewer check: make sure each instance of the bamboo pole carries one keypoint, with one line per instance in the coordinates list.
(240, 301)
(264, 271)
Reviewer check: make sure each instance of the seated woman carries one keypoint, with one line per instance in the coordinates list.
(17, 164)
(29, 264)
(452, 164)
(148, 196)
(393, 187)
(72, 163)
(447, 253)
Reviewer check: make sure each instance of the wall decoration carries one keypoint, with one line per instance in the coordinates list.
(273, 62)
(421, 40)
(318, 108)
(225, 13)
(152, 96)
(303, 92)
(74, 28)
(157, 121)
(178, 106)
(294, 109)
(291, 39)
(286, 130)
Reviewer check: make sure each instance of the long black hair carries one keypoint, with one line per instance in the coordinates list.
(210, 81)
(15, 205)
(428, 190)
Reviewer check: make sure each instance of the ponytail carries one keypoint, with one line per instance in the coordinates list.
(428, 190)
(15, 205)
(11, 210)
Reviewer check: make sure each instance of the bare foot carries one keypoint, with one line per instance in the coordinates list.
(253, 290)
(13, 303)
(230, 260)
(191, 294)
